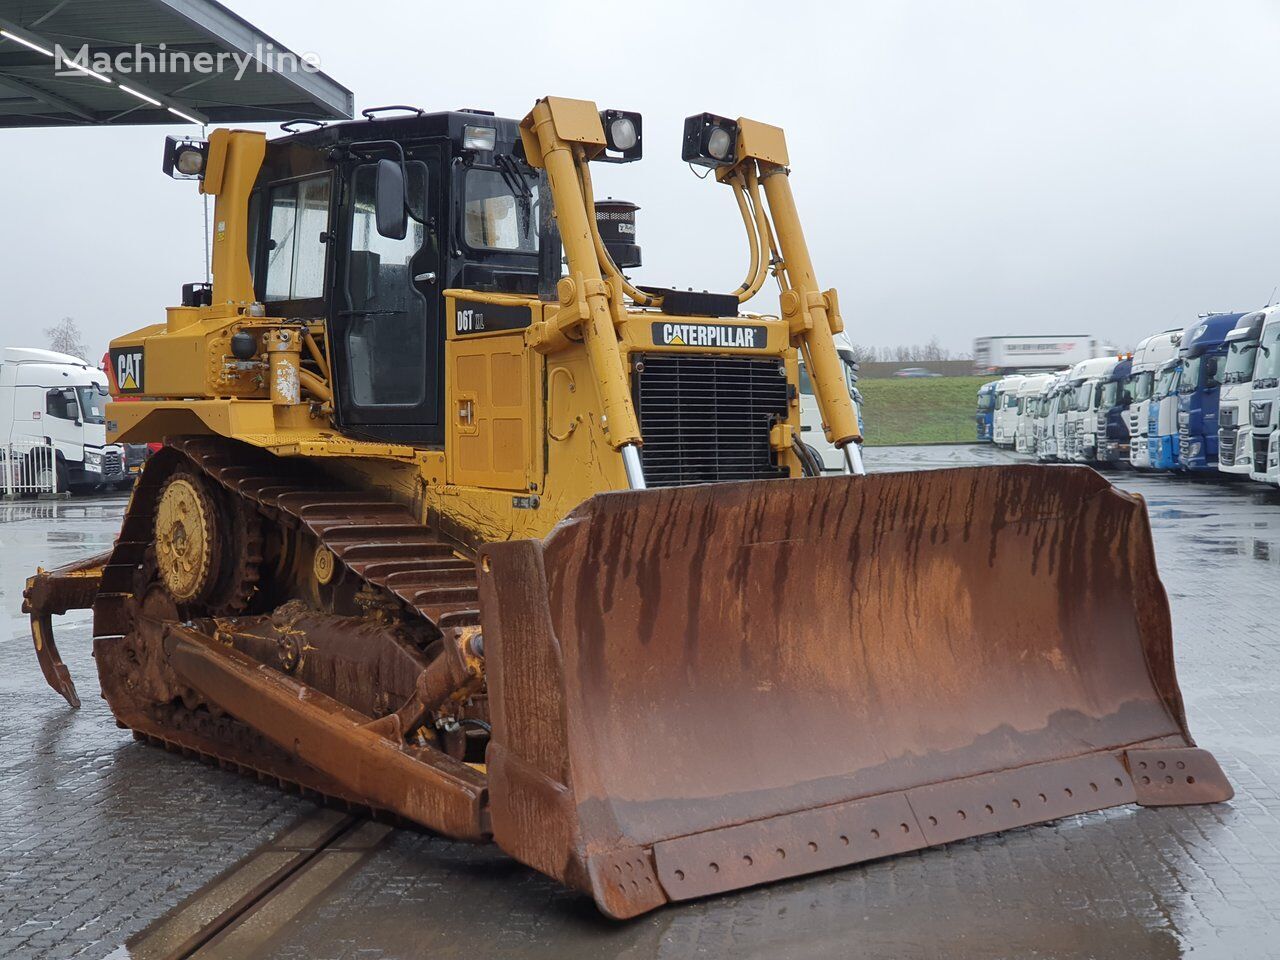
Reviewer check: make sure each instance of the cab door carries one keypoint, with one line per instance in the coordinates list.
(62, 424)
(385, 314)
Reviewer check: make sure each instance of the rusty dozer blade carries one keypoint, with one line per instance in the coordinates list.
(49, 592)
(710, 687)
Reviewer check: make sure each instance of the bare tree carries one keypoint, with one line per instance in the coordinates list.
(931, 352)
(863, 354)
(934, 351)
(65, 337)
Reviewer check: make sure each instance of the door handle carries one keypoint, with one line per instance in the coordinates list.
(425, 278)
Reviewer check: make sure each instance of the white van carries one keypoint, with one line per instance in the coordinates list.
(1004, 422)
(58, 401)
(811, 431)
(1148, 356)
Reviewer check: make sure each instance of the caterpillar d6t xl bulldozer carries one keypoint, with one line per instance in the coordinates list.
(452, 527)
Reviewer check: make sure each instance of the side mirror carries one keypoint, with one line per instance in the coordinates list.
(390, 207)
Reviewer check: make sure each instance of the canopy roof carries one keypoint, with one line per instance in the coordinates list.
(153, 61)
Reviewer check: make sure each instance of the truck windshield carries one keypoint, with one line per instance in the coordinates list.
(1199, 373)
(1167, 384)
(1110, 394)
(93, 404)
(986, 402)
(1084, 396)
(1269, 362)
(1240, 360)
(494, 218)
(1140, 386)
(1189, 382)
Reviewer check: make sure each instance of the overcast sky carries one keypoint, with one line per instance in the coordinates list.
(963, 169)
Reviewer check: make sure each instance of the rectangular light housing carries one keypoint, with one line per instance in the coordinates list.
(476, 137)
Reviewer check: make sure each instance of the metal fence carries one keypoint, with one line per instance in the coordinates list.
(28, 467)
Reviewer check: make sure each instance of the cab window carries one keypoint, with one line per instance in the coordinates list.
(298, 229)
(494, 218)
(61, 403)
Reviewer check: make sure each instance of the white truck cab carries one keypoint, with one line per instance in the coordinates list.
(1029, 393)
(1079, 435)
(1004, 422)
(1264, 405)
(1046, 413)
(811, 431)
(1055, 416)
(60, 401)
(1148, 356)
(1235, 428)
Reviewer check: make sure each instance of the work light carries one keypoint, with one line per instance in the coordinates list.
(622, 136)
(185, 159)
(710, 141)
(475, 137)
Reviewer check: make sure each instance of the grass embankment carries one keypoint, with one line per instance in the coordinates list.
(925, 410)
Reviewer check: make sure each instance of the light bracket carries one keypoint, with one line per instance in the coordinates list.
(710, 141)
(623, 134)
(185, 158)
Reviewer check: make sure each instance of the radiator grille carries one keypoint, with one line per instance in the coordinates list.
(1227, 447)
(707, 419)
(111, 465)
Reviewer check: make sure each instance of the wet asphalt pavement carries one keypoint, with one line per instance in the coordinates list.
(100, 835)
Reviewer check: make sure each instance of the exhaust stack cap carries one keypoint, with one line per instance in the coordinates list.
(616, 221)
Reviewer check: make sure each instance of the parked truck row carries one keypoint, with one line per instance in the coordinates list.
(1200, 399)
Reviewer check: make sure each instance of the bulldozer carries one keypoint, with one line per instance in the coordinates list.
(455, 523)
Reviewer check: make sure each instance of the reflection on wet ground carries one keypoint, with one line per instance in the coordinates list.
(102, 835)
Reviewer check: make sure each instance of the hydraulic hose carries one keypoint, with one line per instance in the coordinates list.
(753, 219)
(602, 253)
(809, 464)
(767, 238)
(757, 271)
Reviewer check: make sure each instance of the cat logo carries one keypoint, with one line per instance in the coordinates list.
(126, 367)
(722, 336)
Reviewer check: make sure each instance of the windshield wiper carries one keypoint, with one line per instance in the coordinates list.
(520, 189)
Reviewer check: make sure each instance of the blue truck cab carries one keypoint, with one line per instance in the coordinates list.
(986, 410)
(1204, 357)
(1113, 407)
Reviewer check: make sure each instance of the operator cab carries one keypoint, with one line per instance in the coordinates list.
(478, 217)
